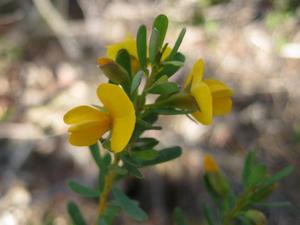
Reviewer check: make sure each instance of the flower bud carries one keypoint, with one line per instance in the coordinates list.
(113, 71)
(256, 217)
(216, 181)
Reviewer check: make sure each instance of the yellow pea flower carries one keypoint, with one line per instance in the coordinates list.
(210, 164)
(129, 43)
(88, 123)
(212, 96)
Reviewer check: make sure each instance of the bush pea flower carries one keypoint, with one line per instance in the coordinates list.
(210, 164)
(212, 96)
(129, 44)
(88, 123)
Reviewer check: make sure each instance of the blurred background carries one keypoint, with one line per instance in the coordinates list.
(48, 52)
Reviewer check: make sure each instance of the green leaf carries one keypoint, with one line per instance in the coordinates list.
(141, 42)
(209, 214)
(146, 125)
(133, 170)
(75, 214)
(170, 69)
(273, 204)
(118, 170)
(164, 155)
(146, 143)
(177, 45)
(167, 88)
(161, 24)
(171, 111)
(179, 217)
(145, 154)
(109, 214)
(258, 174)
(123, 59)
(129, 206)
(278, 176)
(113, 71)
(174, 63)
(95, 151)
(136, 81)
(154, 45)
(129, 160)
(82, 190)
(248, 165)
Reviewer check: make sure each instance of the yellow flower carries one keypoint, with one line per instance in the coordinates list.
(88, 123)
(129, 43)
(210, 164)
(212, 96)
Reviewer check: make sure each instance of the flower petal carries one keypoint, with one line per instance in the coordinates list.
(218, 88)
(128, 43)
(196, 74)
(122, 112)
(83, 113)
(202, 95)
(86, 134)
(221, 106)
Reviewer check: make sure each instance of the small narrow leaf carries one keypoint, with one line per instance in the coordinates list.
(161, 24)
(82, 190)
(167, 88)
(129, 206)
(174, 63)
(248, 165)
(123, 59)
(209, 215)
(95, 151)
(109, 214)
(170, 69)
(133, 170)
(273, 204)
(179, 217)
(75, 214)
(136, 81)
(145, 154)
(141, 41)
(278, 176)
(154, 45)
(164, 155)
(177, 44)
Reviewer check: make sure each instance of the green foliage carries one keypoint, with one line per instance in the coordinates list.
(75, 214)
(83, 190)
(123, 59)
(141, 41)
(129, 206)
(258, 185)
(179, 217)
(141, 151)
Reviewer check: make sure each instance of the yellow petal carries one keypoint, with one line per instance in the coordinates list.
(166, 53)
(196, 74)
(210, 164)
(218, 88)
(128, 43)
(201, 92)
(122, 112)
(221, 106)
(83, 113)
(86, 134)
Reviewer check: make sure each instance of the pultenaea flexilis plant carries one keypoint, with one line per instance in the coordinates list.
(118, 124)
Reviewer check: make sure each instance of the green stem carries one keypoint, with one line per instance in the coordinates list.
(241, 203)
(108, 183)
